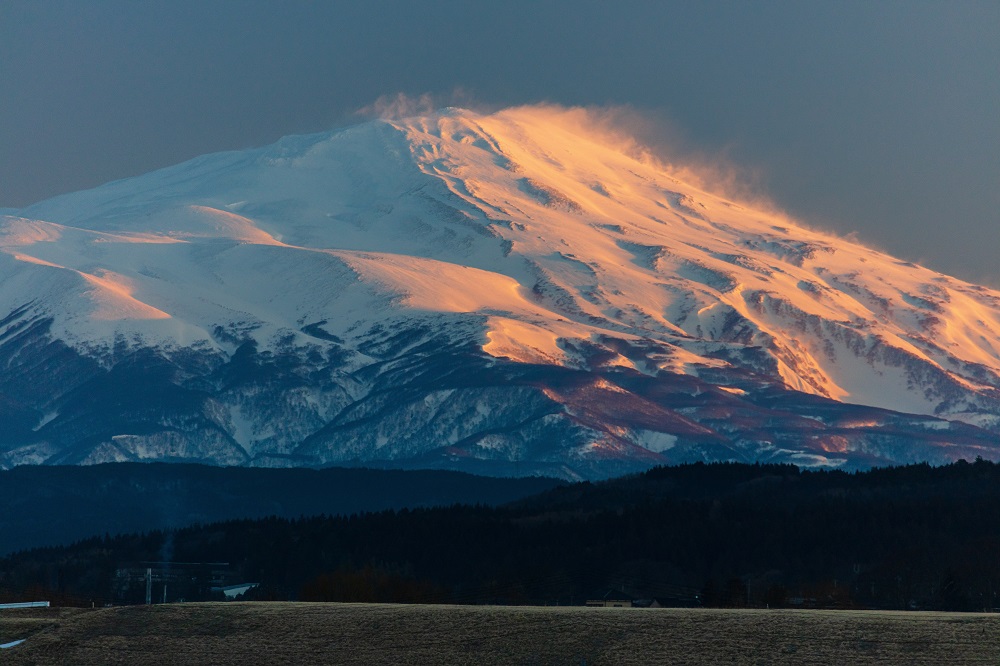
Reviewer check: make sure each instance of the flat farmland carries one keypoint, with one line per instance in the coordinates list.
(300, 633)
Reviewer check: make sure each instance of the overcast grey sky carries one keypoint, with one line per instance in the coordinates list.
(876, 117)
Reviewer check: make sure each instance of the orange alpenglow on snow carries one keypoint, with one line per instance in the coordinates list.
(542, 237)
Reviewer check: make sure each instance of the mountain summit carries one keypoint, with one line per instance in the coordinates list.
(512, 293)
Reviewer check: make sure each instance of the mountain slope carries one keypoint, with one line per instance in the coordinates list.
(519, 292)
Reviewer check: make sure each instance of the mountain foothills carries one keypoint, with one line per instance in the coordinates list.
(524, 292)
(53, 505)
(723, 534)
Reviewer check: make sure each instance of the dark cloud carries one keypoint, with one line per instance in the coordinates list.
(878, 118)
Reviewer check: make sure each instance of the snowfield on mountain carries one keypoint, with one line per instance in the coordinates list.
(522, 292)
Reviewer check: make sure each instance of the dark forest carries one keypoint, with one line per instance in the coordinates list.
(723, 535)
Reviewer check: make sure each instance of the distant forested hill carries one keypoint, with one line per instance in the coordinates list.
(46, 506)
(716, 535)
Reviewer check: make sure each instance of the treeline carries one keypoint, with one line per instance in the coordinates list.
(718, 535)
(57, 505)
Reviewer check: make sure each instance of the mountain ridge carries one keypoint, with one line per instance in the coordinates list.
(465, 289)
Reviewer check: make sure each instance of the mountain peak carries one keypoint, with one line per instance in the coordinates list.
(526, 283)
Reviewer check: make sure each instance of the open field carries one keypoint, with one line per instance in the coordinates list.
(290, 633)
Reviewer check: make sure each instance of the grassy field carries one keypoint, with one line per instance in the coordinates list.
(286, 633)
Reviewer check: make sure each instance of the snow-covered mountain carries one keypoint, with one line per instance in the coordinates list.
(520, 292)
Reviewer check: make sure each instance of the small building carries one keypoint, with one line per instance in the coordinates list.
(647, 603)
(611, 599)
(609, 603)
(26, 604)
(162, 582)
(233, 591)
